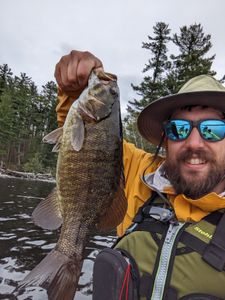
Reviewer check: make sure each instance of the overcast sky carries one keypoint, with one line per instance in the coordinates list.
(35, 34)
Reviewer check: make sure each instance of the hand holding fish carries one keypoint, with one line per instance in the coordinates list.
(73, 70)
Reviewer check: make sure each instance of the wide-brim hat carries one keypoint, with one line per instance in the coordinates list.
(201, 90)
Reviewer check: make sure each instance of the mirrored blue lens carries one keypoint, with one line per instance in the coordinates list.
(212, 130)
(177, 129)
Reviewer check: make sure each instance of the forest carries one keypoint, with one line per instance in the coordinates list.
(27, 113)
(26, 116)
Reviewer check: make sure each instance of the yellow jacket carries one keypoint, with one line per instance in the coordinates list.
(138, 163)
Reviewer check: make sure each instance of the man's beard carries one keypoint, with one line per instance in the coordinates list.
(195, 186)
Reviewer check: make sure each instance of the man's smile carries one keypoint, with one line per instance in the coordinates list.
(195, 163)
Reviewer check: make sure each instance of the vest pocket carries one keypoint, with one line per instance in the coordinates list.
(114, 276)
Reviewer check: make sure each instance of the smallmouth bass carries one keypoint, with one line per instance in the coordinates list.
(89, 189)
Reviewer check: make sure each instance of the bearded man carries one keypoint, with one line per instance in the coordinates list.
(184, 248)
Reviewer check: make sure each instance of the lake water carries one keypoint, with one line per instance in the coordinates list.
(23, 245)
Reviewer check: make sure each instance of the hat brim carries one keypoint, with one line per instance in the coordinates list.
(150, 120)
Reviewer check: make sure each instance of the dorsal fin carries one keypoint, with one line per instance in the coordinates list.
(54, 136)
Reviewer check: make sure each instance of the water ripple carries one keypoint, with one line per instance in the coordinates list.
(24, 244)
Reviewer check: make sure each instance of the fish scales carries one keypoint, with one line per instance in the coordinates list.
(89, 177)
(92, 183)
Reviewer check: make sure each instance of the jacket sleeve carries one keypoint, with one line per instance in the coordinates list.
(63, 106)
(136, 162)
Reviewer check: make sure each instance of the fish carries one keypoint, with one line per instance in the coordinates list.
(89, 193)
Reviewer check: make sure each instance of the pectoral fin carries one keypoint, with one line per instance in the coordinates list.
(77, 134)
(48, 214)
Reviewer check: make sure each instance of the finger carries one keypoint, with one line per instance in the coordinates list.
(76, 69)
(57, 75)
(68, 84)
(85, 66)
(64, 72)
(73, 70)
(61, 72)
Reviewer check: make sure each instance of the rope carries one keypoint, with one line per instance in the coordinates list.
(125, 284)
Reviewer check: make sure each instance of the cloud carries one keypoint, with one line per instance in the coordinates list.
(35, 34)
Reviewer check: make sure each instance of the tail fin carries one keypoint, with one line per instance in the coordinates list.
(57, 273)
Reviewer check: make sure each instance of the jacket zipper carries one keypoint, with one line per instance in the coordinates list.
(161, 275)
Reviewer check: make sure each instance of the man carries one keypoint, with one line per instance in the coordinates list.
(191, 180)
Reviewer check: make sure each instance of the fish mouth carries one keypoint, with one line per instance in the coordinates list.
(105, 77)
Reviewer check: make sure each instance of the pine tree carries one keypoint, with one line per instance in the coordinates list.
(49, 96)
(169, 74)
(5, 78)
(152, 85)
(193, 45)
(25, 117)
(40, 158)
(6, 113)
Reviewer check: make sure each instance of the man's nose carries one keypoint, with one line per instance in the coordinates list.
(195, 140)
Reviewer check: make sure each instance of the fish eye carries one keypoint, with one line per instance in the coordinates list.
(113, 92)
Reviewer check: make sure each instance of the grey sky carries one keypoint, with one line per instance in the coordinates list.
(35, 34)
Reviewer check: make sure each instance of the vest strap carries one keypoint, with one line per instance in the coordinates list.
(214, 253)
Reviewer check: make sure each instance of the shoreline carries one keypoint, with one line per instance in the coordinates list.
(23, 175)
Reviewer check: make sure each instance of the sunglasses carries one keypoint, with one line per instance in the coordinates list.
(209, 130)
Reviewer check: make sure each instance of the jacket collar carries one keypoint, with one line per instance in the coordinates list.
(186, 209)
(157, 180)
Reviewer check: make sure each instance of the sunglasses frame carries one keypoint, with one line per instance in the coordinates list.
(193, 124)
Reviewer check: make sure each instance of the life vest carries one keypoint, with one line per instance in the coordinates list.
(160, 258)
